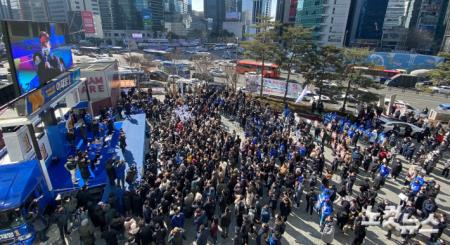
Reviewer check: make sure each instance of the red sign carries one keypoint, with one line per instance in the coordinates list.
(88, 22)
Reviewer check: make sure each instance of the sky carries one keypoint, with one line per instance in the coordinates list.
(197, 5)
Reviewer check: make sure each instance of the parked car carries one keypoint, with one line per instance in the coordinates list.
(443, 89)
(401, 105)
(388, 127)
(217, 73)
(310, 96)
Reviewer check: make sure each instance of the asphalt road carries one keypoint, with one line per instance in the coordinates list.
(417, 100)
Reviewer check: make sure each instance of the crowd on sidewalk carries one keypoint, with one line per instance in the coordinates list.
(197, 170)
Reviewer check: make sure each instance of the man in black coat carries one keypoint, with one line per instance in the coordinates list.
(110, 237)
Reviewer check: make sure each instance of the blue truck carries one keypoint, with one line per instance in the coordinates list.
(23, 195)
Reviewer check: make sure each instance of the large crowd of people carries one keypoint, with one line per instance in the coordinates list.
(198, 173)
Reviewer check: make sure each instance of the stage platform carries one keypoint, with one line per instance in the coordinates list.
(134, 128)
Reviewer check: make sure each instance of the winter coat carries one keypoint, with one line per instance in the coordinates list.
(86, 232)
(328, 232)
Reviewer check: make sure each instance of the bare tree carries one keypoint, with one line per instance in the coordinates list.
(134, 60)
(202, 64)
(232, 76)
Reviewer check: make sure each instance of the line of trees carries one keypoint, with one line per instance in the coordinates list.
(296, 48)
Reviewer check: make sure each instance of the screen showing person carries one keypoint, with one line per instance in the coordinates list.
(39, 52)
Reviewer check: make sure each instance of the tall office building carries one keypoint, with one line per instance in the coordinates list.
(365, 24)
(286, 11)
(32, 10)
(35, 10)
(427, 27)
(106, 14)
(177, 16)
(251, 12)
(156, 8)
(327, 18)
(74, 17)
(58, 10)
(233, 10)
(445, 47)
(214, 10)
(10, 10)
(396, 23)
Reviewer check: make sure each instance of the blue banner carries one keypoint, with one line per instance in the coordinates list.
(38, 98)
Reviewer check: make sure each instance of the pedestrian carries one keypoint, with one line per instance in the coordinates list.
(202, 235)
(285, 207)
(214, 229)
(311, 198)
(397, 167)
(446, 169)
(440, 226)
(176, 236)
(225, 220)
(110, 236)
(61, 219)
(262, 234)
(327, 230)
(86, 231)
(71, 167)
(178, 218)
(359, 230)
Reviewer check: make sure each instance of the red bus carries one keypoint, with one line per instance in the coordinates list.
(378, 75)
(270, 70)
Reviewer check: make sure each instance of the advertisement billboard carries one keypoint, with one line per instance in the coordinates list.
(37, 52)
(88, 22)
(147, 18)
(136, 35)
(36, 99)
(232, 16)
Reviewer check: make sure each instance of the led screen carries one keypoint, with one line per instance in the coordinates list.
(38, 52)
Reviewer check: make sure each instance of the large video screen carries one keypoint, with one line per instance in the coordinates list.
(38, 51)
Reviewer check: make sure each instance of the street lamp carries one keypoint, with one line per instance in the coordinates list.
(237, 48)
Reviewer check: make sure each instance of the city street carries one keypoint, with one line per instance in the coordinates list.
(418, 100)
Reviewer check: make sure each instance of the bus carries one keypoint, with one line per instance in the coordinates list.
(378, 75)
(270, 70)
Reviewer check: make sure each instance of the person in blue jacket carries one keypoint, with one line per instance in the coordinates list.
(177, 219)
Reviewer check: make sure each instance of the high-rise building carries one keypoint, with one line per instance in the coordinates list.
(427, 27)
(445, 47)
(75, 21)
(58, 10)
(35, 10)
(10, 10)
(177, 16)
(396, 23)
(365, 24)
(156, 8)
(215, 10)
(31, 10)
(106, 13)
(233, 9)
(327, 18)
(251, 12)
(286, 11)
